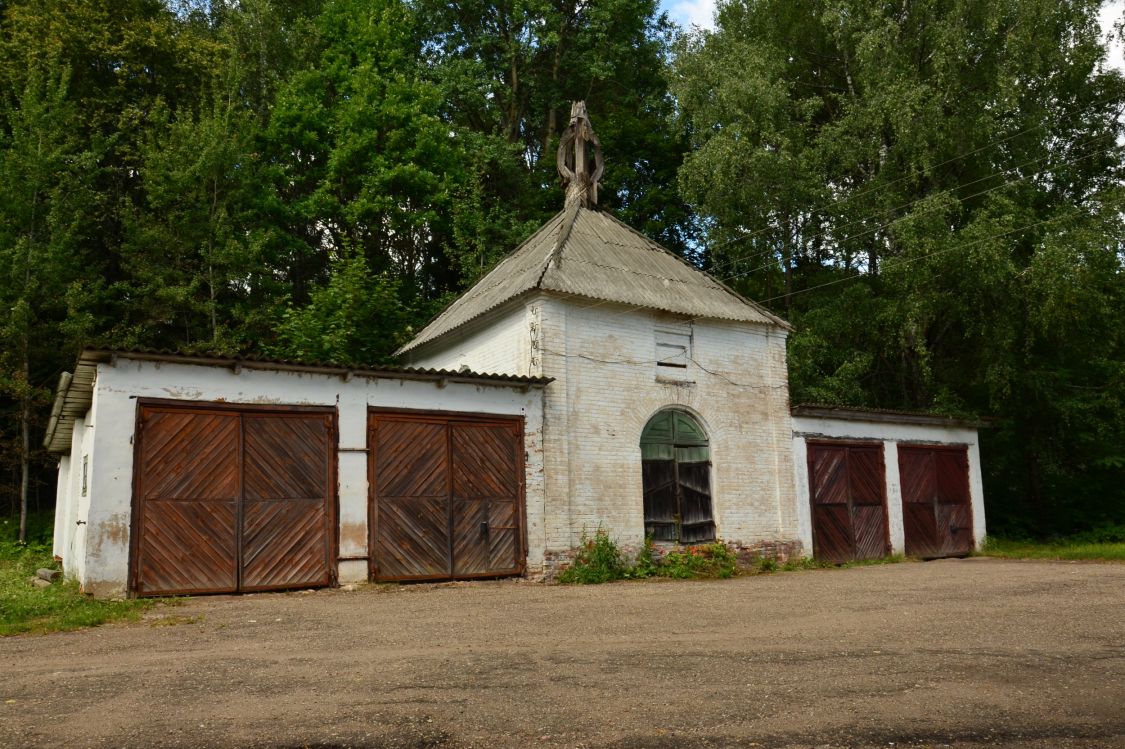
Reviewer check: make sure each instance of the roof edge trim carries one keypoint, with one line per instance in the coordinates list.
(885, 416)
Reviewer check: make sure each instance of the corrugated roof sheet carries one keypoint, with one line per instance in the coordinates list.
(75, 392)
(601, 258)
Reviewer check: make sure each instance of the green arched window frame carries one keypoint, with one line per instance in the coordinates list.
(676, 475)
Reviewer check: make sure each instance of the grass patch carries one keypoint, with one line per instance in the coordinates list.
(1062, 549)
(56, 608)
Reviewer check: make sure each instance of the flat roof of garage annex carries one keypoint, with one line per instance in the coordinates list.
(74, 393)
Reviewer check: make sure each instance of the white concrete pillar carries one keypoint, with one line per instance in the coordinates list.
(894, 497)
(803, 494)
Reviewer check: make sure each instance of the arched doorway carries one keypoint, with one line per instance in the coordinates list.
(676, 471)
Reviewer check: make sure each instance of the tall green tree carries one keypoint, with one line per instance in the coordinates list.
(509, 71)
(45, 209)
(949, 173)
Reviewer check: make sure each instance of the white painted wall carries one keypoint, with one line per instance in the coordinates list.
(61, 485)
(100, 554)
(607, 386)
(497, 343)
(891, 435)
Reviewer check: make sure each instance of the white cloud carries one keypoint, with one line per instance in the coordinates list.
(1111, 13)
(699, 13)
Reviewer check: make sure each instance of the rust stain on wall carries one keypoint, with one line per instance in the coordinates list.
(353, 539)
(112, 534)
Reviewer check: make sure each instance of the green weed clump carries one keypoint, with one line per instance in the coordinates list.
(55, 608)
(598, 561)
(706, 560)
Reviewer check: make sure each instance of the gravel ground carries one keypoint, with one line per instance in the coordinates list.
(959, 653)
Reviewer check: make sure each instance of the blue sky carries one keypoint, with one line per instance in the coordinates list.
(702, 13)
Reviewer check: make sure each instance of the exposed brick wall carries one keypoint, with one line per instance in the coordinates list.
(607, 388)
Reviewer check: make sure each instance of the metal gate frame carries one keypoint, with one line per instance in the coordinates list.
(204, 407)
(447, 418)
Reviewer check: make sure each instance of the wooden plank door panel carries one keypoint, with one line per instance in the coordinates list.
(411, 459)
(471, 543)
(832, 541)
(286, 511)
(484, 461)
(916, 474)
(659, 481)
(869, 525)
(866, 472)
(485, 469)
(188, 547)
(697, 524)
(828, 474)
(504, 535)
(919, 528)
(955, 529)
(284, 545)
(189, 455)
(412, 538)
(411, 512)
(937, 514)
(188, 476)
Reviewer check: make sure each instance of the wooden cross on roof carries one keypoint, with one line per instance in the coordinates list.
(579, 177)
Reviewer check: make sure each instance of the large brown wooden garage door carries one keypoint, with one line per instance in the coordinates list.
(937, 517)
(848, 494)
(446, 496)
(230, 499)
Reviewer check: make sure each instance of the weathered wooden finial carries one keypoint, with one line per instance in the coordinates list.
(578, 179)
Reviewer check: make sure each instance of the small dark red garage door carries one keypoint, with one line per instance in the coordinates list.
(848, 494)
(446, 496)
(232, 499)
(937, 516)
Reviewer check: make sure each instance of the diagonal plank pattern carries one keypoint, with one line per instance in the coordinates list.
(232, 500)
(187, 547)
(445, 496)
(937, 515)
(190, 456)
(848, 495)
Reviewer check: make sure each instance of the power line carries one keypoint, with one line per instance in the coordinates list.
(906, 261)
(868, 231)
(885, 185)
(1000, 173)
(918, 213)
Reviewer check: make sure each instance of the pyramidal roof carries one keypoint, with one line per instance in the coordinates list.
(589, 253)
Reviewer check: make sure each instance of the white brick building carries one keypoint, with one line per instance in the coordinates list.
(627, 330)
(591, 380)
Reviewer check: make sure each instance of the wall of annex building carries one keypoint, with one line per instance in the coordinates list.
(607, 386)
(891, 435)
(99, 553)
(72, 500)
(497, 343)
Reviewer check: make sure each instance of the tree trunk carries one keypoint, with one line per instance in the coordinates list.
(25, 463)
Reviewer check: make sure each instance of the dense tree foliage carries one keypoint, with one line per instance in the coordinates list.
(932, 192)
(314, 178)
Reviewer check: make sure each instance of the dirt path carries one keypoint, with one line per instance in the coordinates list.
(961, 653)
